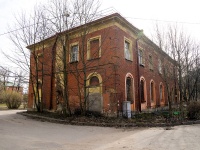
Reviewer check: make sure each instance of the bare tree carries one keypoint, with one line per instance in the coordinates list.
(4, 76)
(30, 30)
(57, 21)
(181, 48)
(67, 16)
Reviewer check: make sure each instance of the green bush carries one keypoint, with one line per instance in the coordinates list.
(193, 110)
(12, 99)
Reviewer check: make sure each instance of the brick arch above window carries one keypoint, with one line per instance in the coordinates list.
(94, 83)
(94, 74)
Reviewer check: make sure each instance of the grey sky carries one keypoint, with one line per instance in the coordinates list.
(141, 13)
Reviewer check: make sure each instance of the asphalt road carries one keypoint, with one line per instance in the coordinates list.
(21, 133)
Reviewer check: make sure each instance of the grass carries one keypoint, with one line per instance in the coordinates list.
(3, 106)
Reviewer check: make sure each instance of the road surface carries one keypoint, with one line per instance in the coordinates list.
(21, 133)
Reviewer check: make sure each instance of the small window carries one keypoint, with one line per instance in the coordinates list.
(74, 53)
(141, 57)
(150, 62)
(128, 49)
(159, 66)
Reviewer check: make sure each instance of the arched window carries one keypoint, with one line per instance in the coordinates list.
(129, 91)
(152, 91)
(94, 81)
(161, 90)
(142, 91)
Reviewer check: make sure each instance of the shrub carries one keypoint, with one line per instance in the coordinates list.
(193, 110)
(77, 112)
(12, 99)
(93, 114)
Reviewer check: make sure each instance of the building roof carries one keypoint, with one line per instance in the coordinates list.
(11, 84)
(114, 16)
(92, 23)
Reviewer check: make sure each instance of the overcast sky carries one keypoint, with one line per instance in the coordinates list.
(141, 13)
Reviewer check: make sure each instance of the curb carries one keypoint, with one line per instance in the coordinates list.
(119, 125)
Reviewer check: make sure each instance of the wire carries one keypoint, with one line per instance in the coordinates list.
(112, 10)
(157, 20)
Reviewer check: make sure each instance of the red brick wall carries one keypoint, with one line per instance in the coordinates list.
(112, 66)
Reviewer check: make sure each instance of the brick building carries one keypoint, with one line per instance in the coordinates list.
(9, 86)
(120, 66)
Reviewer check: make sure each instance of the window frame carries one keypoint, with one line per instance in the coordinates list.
(143, 90)
(152, 91)
(77, 53)
(89, 57)
(130, 50)
(151, 62)
(161, 92)
(141, 57)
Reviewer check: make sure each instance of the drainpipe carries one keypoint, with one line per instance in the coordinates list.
(53, 59)
(138, 74)
(139, 36)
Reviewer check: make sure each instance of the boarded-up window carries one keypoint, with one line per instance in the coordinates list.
(94, 48)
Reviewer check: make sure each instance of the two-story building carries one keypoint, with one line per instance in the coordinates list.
(112, 62)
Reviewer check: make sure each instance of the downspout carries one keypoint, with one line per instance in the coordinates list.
(138, 74)
(52, 72)
(139, 36)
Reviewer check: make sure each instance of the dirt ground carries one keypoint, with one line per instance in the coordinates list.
(21, 133)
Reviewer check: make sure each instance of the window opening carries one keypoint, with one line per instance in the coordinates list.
(94, 81)
(152, 91)
(74, 53)
(127, 50)
(129, 89)
(142, 91)
(94, 48)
